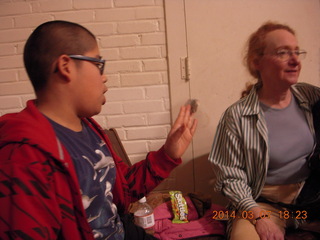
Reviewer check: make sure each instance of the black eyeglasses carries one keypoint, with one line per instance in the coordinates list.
(100, 62)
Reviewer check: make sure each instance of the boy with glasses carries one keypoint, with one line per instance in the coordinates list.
(59, 176)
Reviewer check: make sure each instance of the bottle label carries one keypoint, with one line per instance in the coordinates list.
(146, 221)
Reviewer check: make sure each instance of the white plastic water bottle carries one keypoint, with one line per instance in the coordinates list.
(143, 216)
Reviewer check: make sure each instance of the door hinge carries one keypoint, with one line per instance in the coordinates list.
(185, 68)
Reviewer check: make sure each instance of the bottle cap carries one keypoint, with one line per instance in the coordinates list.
(142, 200)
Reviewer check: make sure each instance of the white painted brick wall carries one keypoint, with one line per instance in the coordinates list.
(132, 38)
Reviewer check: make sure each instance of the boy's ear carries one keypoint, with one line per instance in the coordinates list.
(65, 66)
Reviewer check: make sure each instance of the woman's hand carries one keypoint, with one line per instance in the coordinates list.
(268, 230)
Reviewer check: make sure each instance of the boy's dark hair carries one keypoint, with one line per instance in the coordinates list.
(49, 41)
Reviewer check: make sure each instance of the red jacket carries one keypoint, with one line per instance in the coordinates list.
(39, 190)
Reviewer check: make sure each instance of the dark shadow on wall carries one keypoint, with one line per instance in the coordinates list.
(193, 176)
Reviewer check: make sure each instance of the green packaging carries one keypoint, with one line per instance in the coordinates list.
(179, 207)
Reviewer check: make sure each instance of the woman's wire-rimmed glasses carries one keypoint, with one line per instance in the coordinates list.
(285, 54)
(100, 65)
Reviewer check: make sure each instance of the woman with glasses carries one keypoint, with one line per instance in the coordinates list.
(263, 141)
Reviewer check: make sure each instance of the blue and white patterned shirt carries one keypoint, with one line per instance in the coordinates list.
(96, 173)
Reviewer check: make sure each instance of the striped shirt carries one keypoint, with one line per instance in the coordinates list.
(240, 151)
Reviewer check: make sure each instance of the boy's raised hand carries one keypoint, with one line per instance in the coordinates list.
(181, 133)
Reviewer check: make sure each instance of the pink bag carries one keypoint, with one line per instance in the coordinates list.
(196, 227)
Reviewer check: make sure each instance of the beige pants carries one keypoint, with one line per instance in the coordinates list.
(244, 229)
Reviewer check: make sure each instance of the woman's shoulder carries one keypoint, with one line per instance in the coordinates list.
(306, 92)
(238, 109)
(305, 86)
(247, 105)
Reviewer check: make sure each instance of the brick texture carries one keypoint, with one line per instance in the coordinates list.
(131, 37)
